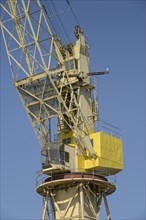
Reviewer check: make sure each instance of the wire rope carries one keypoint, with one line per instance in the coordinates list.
(47, 10)
(61, 23)
(54, 16)
(75, 17)
(53, 21)
(56, 21)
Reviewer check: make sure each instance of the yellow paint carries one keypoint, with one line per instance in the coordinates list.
(109, 159)
(109, 154)
(108, 150)
(69, 135)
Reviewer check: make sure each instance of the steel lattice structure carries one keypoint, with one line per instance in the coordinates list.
(27, 34)
(54, 83)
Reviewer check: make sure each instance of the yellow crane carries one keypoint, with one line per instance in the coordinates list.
(55, 85)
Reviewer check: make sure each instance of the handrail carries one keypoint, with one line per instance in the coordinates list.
(42, 177)
(108, 128)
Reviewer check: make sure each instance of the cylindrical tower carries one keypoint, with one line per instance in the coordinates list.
(75, 196)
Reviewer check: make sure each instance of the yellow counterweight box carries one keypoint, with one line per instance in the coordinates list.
(108, 150)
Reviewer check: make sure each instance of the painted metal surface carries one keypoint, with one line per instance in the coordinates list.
(59, 96)
(82, 195)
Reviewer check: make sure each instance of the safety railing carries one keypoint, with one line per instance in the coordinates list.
(108, 128)
(41, 177)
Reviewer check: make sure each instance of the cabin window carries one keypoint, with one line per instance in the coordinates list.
(66, 157)
(66, 141)
(44, 155)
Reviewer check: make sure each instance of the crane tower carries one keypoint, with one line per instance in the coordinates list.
(57, 90)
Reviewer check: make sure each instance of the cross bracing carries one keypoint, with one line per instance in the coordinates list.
(39, 72)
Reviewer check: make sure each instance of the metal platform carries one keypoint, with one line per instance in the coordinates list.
(60, 181)
(82, 195)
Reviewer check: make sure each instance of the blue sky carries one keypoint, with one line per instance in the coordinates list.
(116, 34)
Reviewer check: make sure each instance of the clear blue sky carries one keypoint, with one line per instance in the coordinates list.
(116, 35)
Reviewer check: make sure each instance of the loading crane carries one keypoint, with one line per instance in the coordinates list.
(54, 83)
